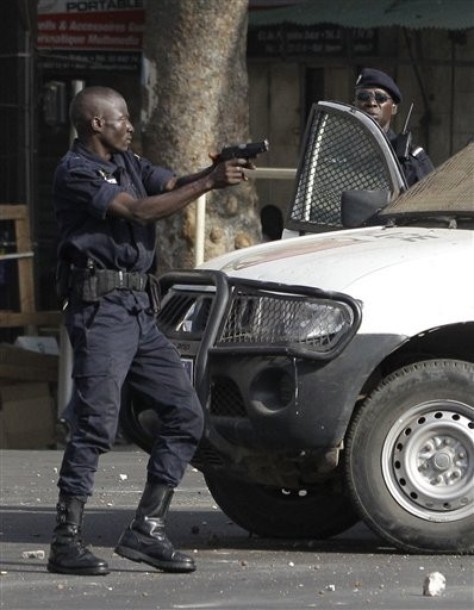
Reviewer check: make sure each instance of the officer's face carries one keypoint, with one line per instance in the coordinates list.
(378, 104)
(115, 127)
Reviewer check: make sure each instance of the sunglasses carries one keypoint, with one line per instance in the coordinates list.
(366, 96)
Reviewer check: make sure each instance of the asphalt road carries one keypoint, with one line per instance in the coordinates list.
(355, 570)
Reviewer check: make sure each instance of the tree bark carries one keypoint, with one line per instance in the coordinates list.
(196, 102)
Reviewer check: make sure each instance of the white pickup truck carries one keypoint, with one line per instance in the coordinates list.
(336, 365)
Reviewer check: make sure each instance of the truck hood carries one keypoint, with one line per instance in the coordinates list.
(338, 260)
(393, 271)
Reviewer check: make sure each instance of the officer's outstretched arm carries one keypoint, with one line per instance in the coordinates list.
(155, 207)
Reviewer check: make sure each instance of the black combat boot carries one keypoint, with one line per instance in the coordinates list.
(68, 555)
(145, 539)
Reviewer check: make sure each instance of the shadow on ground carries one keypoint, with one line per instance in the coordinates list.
(189, 529)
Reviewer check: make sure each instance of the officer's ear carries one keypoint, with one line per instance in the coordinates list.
(394, 109)
(97, 123)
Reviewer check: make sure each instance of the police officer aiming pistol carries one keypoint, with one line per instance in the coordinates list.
(106, 202)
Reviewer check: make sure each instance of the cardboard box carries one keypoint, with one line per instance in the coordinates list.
(42, 345)
(27, 416)
(17, 363)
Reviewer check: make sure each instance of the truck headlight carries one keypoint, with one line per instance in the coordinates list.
(289, 322)
(313, 321)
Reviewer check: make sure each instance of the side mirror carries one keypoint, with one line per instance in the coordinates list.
(358, 206)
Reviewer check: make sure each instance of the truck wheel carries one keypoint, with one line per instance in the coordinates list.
(138, 422)
(410, 458)
(277, 513)
(266, 511)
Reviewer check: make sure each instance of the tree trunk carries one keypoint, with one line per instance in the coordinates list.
(196, 102)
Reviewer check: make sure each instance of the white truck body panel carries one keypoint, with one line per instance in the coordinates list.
(388, 269)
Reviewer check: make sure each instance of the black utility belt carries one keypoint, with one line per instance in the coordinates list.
(91, 284)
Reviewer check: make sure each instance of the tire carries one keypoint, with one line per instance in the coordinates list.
(410, 458)
(276, 513)
(266, 511)
(138, 422)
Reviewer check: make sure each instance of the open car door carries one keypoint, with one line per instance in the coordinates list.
(346, 158)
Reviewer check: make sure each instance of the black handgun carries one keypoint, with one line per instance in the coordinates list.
(244, 151)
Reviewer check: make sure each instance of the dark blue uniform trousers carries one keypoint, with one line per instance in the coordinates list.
(114, 339)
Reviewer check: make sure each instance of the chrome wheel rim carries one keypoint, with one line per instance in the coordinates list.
(428, 460)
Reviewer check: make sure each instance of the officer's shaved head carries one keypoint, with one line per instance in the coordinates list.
(90, 103)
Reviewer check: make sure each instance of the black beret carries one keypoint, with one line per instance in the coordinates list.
(369, 77)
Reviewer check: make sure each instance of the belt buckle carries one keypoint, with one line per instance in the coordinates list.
(121, 279)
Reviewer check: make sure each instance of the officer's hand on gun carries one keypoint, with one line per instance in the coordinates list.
(228, 165)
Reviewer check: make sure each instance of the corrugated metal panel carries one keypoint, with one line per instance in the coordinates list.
(413, 14)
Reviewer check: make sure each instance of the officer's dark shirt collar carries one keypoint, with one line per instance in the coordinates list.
(108, 166)
(120, 166)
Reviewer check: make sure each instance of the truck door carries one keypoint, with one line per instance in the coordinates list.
(344, 150)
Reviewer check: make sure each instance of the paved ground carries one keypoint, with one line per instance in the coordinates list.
(356, 570)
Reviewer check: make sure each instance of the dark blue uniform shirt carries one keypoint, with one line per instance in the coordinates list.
(417, 165)
(84, 185)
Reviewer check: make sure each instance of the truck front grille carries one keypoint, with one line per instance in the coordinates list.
(226, 398)
(184, 313)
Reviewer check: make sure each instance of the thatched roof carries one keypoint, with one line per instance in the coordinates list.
(450, 188)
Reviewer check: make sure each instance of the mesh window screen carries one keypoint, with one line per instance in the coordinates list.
(340, 155)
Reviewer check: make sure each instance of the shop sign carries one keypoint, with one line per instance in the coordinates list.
(91, 34)
(288, 40)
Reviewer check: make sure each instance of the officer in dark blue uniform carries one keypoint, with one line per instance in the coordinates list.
(107, 201)
(378, 95)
